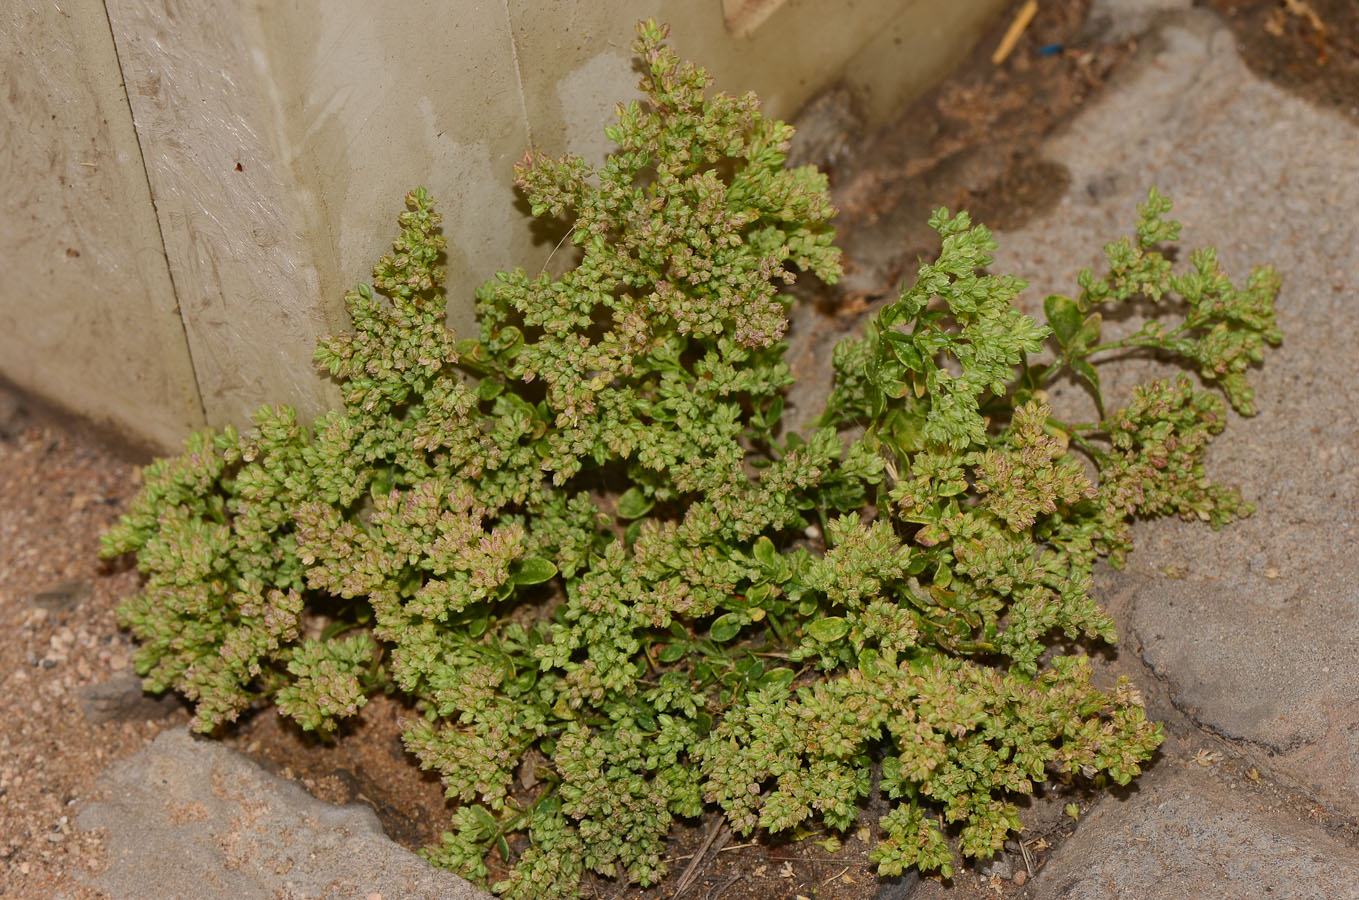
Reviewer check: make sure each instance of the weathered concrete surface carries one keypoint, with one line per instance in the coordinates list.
(371, 105)
(236, 229)
(87, 310)
(1254, 629)
(1185, 834)
(191, 819)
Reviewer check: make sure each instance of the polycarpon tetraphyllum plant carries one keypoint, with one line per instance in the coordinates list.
(594, 567)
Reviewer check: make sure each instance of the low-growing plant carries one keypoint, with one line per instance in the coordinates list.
(600, 567)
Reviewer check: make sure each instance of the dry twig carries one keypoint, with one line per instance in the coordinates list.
(691, 871)
(1014, 32)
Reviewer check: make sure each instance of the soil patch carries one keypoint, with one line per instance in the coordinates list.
(1310, 47)
(60, 649)
(970, 143)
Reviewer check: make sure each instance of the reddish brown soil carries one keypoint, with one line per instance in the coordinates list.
(1310, 47)
(60, 491)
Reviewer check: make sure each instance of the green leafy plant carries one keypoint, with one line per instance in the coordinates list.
(600, 562)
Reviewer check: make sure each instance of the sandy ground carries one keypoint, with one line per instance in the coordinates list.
(60, 491)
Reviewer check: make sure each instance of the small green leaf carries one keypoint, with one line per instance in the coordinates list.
(512, 341)
(727, 626)
(829, 629)
(775, 412)
(781, 677)
(634, 504)
(489, 388)
(1087, 371)
(523, 681)
(1088, 334)
(904, 349)
(906, 429)
(765, 553)
(922, 662)
(876, 402)
(671, 652)
(759, 593)
(908, 307)
(485, 819)
(534, 570)
(892, 385)
(891, 770)
(891, 314)
(930, 535)
(951, 488)
(1064, 316)
(751, 669)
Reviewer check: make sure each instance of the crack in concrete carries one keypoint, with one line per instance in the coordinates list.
(1244, 751)
(1172, 696)
(155, 208)
(518, 74)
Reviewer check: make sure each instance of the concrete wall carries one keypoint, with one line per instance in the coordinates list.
(87, 308)
(277, 139)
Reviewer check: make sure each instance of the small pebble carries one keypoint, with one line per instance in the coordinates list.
(1020, 877)
(63, 597)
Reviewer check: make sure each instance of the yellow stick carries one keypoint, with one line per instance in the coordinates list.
(1012, 34)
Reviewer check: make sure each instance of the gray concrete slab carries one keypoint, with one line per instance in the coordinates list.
(1253, 628)
(191, 819)
(1185, 834)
